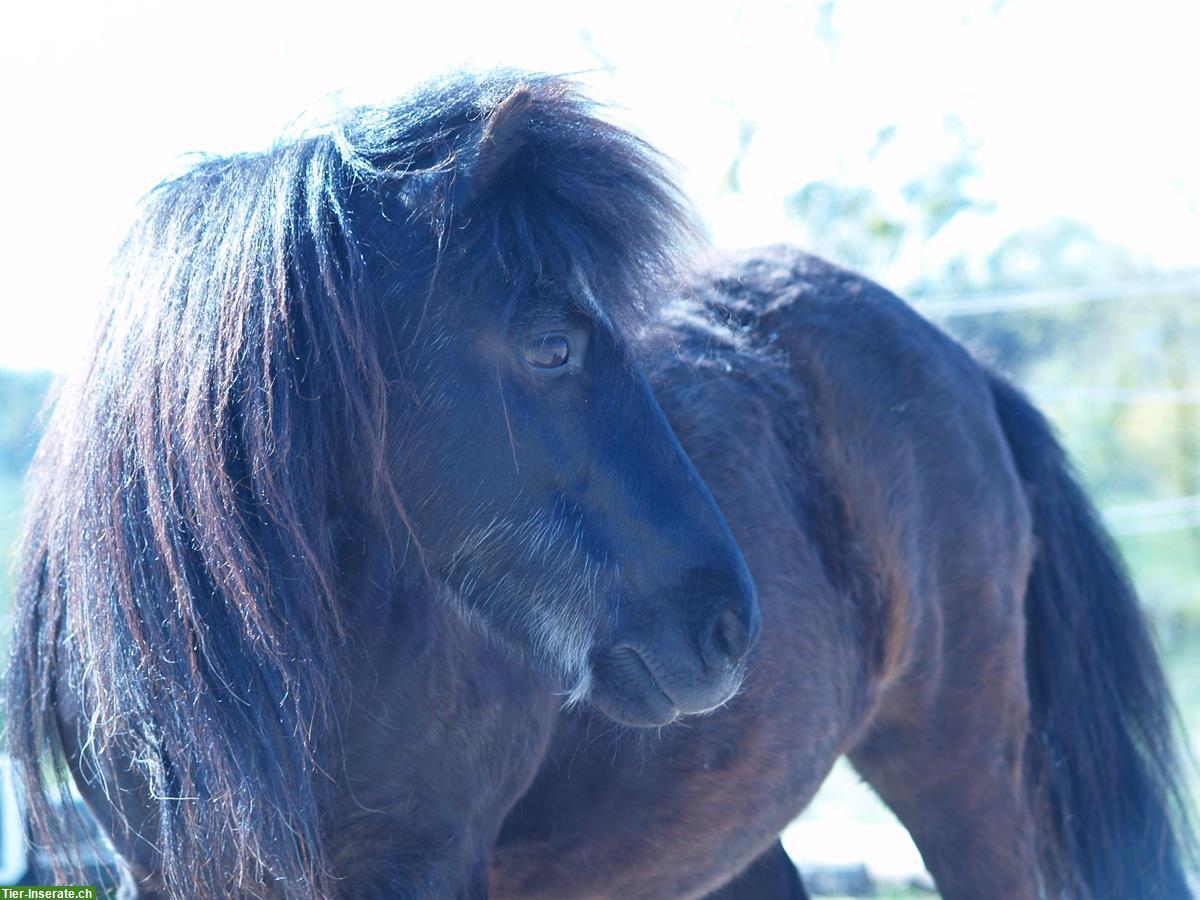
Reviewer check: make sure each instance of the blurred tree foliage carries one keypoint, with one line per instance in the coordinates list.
(21, 397)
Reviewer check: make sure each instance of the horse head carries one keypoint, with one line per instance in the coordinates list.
(550, 499)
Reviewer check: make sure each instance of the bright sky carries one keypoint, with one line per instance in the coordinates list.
(1083, 109)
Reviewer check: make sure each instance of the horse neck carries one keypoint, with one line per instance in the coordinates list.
(424, 675)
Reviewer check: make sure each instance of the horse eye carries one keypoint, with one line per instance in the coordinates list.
(548, 351)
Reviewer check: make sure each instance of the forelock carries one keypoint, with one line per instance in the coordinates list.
(517, 178)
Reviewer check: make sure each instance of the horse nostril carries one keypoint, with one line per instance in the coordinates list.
(731, 635)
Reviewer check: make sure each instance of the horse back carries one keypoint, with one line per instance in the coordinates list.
(901, 478)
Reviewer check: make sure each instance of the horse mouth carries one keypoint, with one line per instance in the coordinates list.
(625, 690)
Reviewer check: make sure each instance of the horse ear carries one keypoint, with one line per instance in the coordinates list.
(502, 137)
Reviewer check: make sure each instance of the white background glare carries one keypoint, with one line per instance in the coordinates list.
(1082, 110)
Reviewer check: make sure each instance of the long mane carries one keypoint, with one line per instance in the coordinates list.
(179, 607)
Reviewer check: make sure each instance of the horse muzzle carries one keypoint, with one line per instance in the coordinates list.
(637, 685)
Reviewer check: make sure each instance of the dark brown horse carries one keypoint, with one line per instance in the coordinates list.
(396, 494)
(939, 603)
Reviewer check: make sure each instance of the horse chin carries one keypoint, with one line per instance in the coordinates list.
(625, 690)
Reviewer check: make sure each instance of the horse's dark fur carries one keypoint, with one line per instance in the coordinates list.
(938, 603)
(315, 559)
